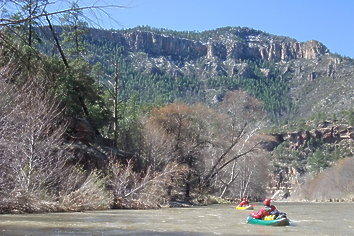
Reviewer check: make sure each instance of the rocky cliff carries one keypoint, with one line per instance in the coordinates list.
(225, 49)
(235, 44)
(289, 174)
(327, 132)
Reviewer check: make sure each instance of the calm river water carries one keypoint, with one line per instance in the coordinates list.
(306, 219)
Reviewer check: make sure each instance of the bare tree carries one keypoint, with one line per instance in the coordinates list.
(140, 190)
(207, 142)
(226, 184)
(158, 147)
(234, 159)
(84, 191)
(37, 171)
(28, 135)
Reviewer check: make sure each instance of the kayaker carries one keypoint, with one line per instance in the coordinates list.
(266, 210)
(244, 202)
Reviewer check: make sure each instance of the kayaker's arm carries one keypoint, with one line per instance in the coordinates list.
(257, 215)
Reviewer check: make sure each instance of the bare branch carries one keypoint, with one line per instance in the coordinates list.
(213, 171)
(8, 22)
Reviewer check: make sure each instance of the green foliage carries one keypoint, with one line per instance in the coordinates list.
(233, 32)
(76, 89)
(74, 30)
(151, 88)
(80, 85)
(319, 117)
(323, 157)
(224, 83)
(314, 156)
(157, 86)
(301, 125)
(273, 91)
(285, 157)
(27, 9)
(129, 125)
(349, 116)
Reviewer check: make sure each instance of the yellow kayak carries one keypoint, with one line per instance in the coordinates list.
(249, 207)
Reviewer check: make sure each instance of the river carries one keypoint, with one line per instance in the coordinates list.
(306, 219)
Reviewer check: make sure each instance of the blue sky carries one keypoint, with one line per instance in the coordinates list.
(328, 21)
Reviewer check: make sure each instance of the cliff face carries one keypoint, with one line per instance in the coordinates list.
(253, 48)
(160, 45)
(327, 132)
(235, 46)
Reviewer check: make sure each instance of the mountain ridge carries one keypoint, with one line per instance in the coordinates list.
(314, 77)
(234, 42)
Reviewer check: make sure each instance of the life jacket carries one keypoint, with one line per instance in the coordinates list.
(264, 211)
(268, 209)
(270, 217)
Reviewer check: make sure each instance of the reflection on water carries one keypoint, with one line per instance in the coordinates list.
(306, 219)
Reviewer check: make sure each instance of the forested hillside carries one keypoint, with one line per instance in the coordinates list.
(294, 80)
(97, 119)
(165, 78)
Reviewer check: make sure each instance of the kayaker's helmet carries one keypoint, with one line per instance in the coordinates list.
(244, 198)
(267, 201)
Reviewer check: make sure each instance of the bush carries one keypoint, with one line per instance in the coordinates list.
(36, 175)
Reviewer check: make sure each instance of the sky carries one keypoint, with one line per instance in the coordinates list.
(329, 21)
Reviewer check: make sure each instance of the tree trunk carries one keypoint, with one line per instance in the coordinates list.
(115, 100)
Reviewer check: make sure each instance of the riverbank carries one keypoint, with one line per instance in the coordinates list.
(38, 206)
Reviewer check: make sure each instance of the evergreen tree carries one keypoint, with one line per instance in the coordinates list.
(74, 29)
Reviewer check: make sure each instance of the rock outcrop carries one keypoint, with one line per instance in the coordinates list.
(327, 132)
(238, 44)
(160, 45)
(89, 148)
(288, 176)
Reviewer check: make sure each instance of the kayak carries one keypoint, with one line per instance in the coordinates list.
(276, 222)
(249, 207)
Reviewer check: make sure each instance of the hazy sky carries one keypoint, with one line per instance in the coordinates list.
(328, 21)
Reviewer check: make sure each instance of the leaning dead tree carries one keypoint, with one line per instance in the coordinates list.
(38, 10)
